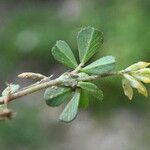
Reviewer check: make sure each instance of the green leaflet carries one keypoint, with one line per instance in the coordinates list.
(71, 110)
(90, 87)
(11, 88)
(84, 100)
(62, 52)
(100, 66)
(89, 40)
(54, 96)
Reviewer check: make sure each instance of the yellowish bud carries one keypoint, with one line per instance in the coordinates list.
(128, 91)
(31, 75)
(142, 78)
(137, 66)
(136, 84)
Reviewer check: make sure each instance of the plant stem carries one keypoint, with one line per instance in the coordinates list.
(77, 69)
(30, 90)
(56, 82)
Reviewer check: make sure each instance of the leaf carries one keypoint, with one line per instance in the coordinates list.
(62, 52)
(84, 100)
(54, 96)
(136, 84)
(89, 40)
(11, 88)
(100, 66)
(128, 91)
(144, 72)
(137, 66)
(90, 87)
(71, 110)
(142, 78)
(142, 75)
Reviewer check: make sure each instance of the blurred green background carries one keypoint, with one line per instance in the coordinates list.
(29, 29)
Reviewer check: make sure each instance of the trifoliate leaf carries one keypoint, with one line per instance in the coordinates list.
(89, 40)
(84, 100)
(62, 52)
(71, 110)
(54, 96)
(136, 84)
(90, 87)
(100, 66)
(137, 66)
(128, 91)
(11, 88)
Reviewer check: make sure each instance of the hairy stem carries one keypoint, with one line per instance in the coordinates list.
(77, 69)
(31, 89)
(56, 82)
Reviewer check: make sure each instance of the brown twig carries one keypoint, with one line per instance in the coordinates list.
(48, 83)
(30, 90)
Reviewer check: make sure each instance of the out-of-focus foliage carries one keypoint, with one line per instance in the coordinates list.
(28, 30)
